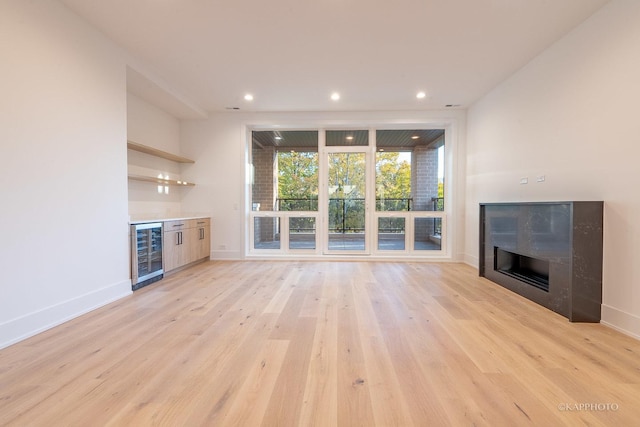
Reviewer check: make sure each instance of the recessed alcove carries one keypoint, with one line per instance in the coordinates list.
(548, 252)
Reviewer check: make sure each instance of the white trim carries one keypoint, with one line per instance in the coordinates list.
(410, 217)
(323, 200)
(621, 321)
(452, 225)
(471, 260)
(283, 217)
(227, 255)
(30, 324)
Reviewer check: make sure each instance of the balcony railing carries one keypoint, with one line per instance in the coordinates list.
(438, 203)
(400, 204)
(296, 204)
(346, 215)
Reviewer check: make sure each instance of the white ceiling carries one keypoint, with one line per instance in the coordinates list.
(291, 54)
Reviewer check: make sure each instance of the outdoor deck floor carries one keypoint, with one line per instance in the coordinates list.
(349, 242)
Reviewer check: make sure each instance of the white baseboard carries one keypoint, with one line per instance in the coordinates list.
(627, 323)
(471, 260)
(226, 255)
(28, 325)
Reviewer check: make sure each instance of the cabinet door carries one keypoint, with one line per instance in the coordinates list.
(201, 239)
(203, 243)
(199, 243)
(175, 250)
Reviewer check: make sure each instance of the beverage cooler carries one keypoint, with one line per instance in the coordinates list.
(146, 253)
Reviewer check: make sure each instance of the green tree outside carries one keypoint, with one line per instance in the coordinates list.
(298, 185)
(298, 180)
(393, 181)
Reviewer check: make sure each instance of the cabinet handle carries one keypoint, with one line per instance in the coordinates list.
(201, 222)
(178, 225)
(180, 237)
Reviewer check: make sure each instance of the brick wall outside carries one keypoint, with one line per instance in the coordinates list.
(264, 190)
(424, 185)
(424, 181)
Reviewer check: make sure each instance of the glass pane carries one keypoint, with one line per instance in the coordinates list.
(423, 149)
(284, 167)
(393, 181)
(297, 181)
(347, 138)
(302, 233)
(346, 215)
(266, 233)
(391, 234)
(427, 234)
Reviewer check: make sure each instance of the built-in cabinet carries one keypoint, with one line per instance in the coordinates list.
(185, 242)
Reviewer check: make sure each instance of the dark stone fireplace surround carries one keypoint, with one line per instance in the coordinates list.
(548, 252)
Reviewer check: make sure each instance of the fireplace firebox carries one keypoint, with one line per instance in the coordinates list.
(533, 271)
(548, 252)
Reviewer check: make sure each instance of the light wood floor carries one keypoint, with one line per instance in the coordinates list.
(322, 344)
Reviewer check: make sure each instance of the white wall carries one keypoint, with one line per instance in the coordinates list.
(63, 174)
(219, 143)
(149, 125)
(572, 116)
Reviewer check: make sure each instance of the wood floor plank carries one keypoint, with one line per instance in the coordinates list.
(320, 401)
(275, 343)
(389, 406)
(354, 399)
(249, 407)
(285, 404)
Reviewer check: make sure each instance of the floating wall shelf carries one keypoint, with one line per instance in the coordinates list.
(158, 153)
(161, 154)
(161, 181)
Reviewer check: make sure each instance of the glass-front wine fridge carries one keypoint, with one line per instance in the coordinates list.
(146, 251)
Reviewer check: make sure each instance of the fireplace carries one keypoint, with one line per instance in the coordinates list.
(548, 252)
(533, 271)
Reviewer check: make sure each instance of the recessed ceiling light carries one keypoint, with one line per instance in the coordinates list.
(335, 96)
(278, 137)
(349, 138)
(248, 97)
(421, 95)
(415, 137)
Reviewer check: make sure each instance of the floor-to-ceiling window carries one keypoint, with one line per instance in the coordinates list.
(347, 192)
(409, 189)
(284, 190)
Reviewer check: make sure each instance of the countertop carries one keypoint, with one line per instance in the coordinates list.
(180, 218)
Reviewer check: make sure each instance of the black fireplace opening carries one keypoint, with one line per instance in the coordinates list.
(532, 271)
